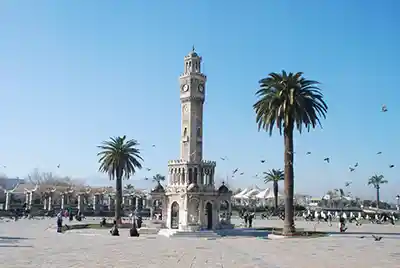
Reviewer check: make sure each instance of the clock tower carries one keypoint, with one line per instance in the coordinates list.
(192, 94)
(190, 200)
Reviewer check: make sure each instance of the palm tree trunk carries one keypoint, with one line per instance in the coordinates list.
(288, 226)
(118, 201)
(377, 197)
(276, 194)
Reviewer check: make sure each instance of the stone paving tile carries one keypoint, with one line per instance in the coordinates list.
(96, 248)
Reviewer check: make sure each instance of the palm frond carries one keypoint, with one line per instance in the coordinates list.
(119, 157)
(289, 100)
(274, 175)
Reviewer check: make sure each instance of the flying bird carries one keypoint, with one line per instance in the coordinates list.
(351, 169)
(356, 165)
(223, 158)
(384, 108)
(327, 159)
(263, 161)
(146, 179)
(391, 166)
(234, 171)
(308, 153)
(153, 145)
(347, 183)
(377, 238)
(241, 173)
(148, 169)
(379, 153)
(58, 166)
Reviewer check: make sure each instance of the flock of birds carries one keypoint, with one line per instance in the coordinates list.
(235, 171)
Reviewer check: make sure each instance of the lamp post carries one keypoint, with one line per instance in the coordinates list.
(398, 201)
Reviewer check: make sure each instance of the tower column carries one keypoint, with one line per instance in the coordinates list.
(8, 201)
(30, 200)
(170, 176)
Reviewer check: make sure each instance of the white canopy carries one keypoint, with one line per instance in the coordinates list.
(263, 194)
(251, 193)
(271, 195)
(241, 194)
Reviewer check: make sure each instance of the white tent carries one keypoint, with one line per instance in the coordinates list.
(241, 194)
(251, 193)
(263, 194)
(271, 195)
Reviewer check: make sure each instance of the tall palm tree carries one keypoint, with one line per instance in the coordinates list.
(288, 102)
(158, 178)
(119, 158)
(275, 176)
(376, 182)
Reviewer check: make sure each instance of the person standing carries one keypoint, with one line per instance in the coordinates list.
(59, 221)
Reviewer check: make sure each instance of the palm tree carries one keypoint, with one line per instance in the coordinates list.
(288, 102)
(119, 158)
(376, 182)
(129, 188)
(275, 176)
(158, 178)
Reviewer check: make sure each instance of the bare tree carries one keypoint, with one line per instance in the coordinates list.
(48, 178)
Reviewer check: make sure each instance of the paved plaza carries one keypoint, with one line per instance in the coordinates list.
(30, 243)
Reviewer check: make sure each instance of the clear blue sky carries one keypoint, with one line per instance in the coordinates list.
(73, 73)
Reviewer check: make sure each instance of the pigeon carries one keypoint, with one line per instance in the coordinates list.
(148, 169)
(327, 160)
(391, 166)
(308, 153)
(351, 169)
(146, 179)
(347, 183)
(263, 161)
(379, 153)
(58, 166)
(153, 145)
(223, 158)
(384, 109)
(241, 173)
(377, 238)
(234, 171)
(356, 165)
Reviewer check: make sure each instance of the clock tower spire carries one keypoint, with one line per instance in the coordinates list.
(192, 94)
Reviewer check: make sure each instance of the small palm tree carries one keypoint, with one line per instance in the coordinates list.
(288, 102)
(376, 182)
(275, 176)
(119, 158)
(129, 188)
(158, 178)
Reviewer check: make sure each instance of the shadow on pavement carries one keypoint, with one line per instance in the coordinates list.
(14, 246)
(13, 238)
(12, 242)
(363, 233)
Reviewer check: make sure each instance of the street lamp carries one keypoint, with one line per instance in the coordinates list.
(398, 201)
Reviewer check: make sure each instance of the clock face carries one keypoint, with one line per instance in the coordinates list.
(201, 88)
(185, 88)
(185, 108)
